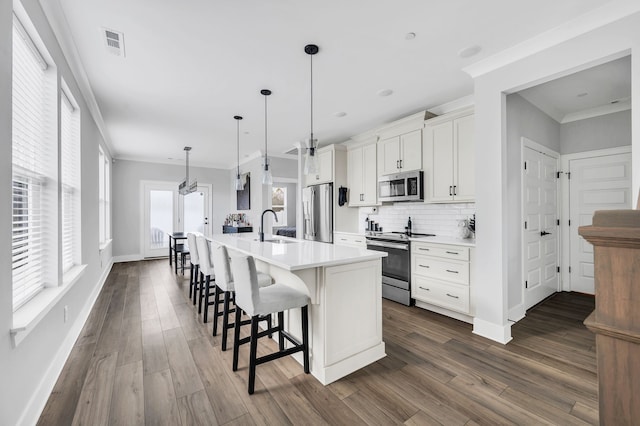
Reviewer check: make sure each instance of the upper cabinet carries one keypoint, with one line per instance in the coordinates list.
(402, 153)
(324, 173)
(362, 175)
(449, 158)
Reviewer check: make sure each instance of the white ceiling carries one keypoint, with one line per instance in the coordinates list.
(190, 66)
(595, 91)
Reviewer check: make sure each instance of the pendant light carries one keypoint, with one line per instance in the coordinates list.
(267, 179)
(311, 160)
(239, 185)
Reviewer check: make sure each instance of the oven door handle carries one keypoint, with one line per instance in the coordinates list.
(389, 245)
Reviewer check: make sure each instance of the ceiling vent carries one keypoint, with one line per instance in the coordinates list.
(114, 41)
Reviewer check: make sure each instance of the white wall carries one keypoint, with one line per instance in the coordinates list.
(605, 131)
(126, 198)
(29, 370)
(261, 194)
(523, 119)
(607, 42)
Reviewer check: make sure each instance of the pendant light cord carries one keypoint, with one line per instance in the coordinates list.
(238, 144)
(265, 129)
(311, 89)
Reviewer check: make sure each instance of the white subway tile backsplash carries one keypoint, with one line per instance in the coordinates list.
(439, 219)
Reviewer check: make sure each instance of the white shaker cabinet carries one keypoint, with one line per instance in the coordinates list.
(450, 158)
(401, 153)
(362, 175)
(324, 173)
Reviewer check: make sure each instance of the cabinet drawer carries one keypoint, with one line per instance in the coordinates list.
(442, 269)
(450, 296)
(349, 240)
(441, 250)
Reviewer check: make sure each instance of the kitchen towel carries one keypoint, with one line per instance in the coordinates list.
(342, 196)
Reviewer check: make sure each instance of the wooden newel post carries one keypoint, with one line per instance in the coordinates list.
(615, 235)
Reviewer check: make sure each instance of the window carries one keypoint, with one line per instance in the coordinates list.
(279, 204)
(104, 190)
(70, 180)
(34, 170)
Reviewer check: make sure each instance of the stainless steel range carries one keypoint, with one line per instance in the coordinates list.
(396, 267)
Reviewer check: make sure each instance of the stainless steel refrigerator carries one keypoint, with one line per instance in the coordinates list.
(317, 212)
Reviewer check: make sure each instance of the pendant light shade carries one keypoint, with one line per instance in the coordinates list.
(267, 179)
(311, 159)
(238, 180)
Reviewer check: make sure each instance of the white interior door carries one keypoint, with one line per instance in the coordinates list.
(160, 213)
(195, 211)
(596, 183)
(540, 237)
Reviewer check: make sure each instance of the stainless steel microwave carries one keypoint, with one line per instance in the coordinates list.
(408, 186)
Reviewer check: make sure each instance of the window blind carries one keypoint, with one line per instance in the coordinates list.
(70, 180)
(101, 194)
(29, 153)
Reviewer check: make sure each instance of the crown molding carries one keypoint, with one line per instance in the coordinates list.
(596, 112)
(599, 17)
(58, 22)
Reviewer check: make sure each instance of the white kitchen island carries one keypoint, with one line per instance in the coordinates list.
(344, 284)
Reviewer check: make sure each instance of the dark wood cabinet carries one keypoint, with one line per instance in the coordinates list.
(227, 229)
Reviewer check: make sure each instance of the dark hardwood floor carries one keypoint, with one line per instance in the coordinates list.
(144, 357)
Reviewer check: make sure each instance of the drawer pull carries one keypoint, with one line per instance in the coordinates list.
(358, 241)
(451, 295)
(424, 266)
(424, 288)
(422, 248)
(453, 272)
(453, 252)
(343, 239)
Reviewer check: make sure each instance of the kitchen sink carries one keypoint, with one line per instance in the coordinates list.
(278, 241)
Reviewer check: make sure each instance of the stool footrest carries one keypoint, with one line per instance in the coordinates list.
(279, 354)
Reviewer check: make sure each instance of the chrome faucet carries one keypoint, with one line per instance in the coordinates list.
(261, 233)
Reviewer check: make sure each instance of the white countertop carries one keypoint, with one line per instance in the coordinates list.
(468, 242)
(298, 254)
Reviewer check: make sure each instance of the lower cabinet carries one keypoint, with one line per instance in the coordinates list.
(441, 275)
(352, 240)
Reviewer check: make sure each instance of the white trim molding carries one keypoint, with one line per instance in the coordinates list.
(129, 258)
(495, 332)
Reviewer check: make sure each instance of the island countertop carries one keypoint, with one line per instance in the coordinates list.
(295, 254)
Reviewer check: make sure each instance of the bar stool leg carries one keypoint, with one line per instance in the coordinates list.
(236, 338)
(253, 349)
(216, 310)
(280, 328)
(305, 337)
(225, 319)
(206, 286)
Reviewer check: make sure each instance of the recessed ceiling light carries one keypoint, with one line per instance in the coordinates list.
(384, 92)
(470, 51)
(409, 36)
(583, 94)
(246, 133)
(169, 158)
(340, 114)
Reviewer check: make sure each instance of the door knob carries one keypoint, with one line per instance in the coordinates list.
(543, 233)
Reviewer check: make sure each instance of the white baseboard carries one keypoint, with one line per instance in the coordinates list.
(446, 312)
(36, 404)
(517, 313)
(127, 258)
(496, 332)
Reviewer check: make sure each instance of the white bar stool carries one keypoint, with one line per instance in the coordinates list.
(224, 281)
(206, 266)
(257, 303)
(194, 281)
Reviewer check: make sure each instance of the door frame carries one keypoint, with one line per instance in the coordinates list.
(520, 311)
(566, 208)
(209, 205)
(144, 213)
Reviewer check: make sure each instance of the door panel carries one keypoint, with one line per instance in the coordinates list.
(442, 176)
(540, 236)
(464, 172)
(597, 183)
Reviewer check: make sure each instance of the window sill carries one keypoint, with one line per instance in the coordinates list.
(28, 316)
(105, 244)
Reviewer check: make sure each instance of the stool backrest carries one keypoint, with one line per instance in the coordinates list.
(193, 249)
(204, 255)
(224, 279)
(245, 280)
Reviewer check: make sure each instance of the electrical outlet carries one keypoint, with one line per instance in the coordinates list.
(66, 313)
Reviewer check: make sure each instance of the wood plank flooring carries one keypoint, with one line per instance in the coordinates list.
(145, 357)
